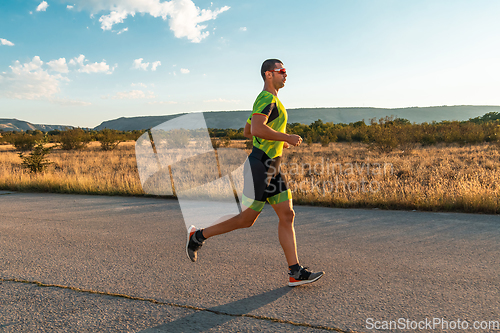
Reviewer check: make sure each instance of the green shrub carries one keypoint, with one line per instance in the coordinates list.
(25, 141)
(109, 139)
(36, 161)
(75, 138)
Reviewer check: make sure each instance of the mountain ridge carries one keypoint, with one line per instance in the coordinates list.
(13, 124)
(237, 119)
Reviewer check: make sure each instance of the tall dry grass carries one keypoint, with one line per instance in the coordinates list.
(437, 178)
(88, 171)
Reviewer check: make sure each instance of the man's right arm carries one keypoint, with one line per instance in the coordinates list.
(261, 130)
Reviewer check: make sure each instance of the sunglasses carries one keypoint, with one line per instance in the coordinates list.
(279, 70)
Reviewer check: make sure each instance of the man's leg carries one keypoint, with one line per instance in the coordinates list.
(252, 203)
(196, 237)
(298, 275)
(245, 219)
(286, 230)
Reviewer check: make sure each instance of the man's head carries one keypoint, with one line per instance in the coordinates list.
(268, 65)
(273, 72)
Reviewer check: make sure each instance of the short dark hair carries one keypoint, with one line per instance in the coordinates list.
(268, 65)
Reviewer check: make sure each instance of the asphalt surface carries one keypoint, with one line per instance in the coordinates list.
(76, 263)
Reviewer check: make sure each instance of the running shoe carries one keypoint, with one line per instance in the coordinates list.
(192, 245)
(303, 276)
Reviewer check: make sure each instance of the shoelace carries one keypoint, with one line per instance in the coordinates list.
(305, 273)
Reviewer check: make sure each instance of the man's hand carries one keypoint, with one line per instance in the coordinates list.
(294, 139)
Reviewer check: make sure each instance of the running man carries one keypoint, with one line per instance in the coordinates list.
(267, 127)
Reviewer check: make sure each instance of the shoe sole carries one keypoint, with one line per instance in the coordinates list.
(298, 283)
(191, 231)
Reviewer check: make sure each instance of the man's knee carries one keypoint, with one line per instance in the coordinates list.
(248, 219)
(287, 216)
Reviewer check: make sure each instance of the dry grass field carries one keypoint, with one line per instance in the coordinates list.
(453, 178)
(437, 178)
(89, 171)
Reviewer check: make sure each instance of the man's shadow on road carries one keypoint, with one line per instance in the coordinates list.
(201, 321)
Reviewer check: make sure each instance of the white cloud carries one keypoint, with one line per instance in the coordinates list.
(184, 16)
(185, 19)
(96, 67)
(221, 100)
(6, 42)
(114, 17)
(134, 94)
(34, 79)
(29, 81)
(138, 64)
(162, 103)
(184, 70)
(155, 65)
(243, 29)
(68, 102)
(58, 65)
(140, 84)
(77, 60)
(70, 7)
(42, 6)
(122, 31)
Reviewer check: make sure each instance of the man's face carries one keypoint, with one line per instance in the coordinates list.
(278, 78)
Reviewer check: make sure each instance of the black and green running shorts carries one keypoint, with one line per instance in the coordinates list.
(263, 181)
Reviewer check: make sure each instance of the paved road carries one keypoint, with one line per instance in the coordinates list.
(76, 263)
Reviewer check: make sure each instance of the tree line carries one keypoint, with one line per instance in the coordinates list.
(389, 133)
(385, 134)
(76, 138)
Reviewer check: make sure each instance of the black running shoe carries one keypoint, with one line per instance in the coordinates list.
(303, 276)
(192, 245)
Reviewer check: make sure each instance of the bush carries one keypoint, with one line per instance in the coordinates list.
(75, 138)
(488, 117)
(36, 161)
(325, 141)
(109, 139)
(222, 142)
(176, 138)
(25, 141)
(384, 138)
(309, 140)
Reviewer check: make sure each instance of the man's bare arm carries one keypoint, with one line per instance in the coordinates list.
(261, 130)
(247, 131)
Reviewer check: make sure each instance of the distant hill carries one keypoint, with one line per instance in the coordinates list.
(21, 125)
(236, 119)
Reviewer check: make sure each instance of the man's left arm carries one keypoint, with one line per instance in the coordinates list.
(247, 131)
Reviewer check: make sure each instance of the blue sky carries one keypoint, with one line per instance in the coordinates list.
(82, 62)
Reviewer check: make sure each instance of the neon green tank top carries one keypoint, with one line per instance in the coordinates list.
(270, 106)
